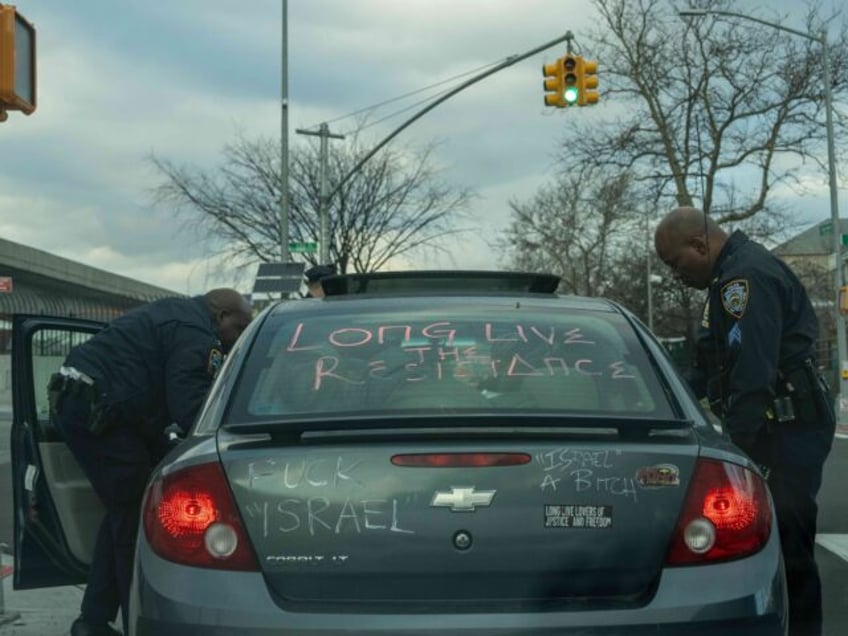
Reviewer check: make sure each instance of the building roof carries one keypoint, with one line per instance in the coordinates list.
(46, 284)
(816, 240)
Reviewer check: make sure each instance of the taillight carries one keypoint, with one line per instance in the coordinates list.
(190, 517)
(726, 515)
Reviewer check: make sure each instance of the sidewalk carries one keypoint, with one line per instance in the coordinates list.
(45, 612)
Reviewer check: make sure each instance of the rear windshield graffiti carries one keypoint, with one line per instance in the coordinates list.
(439, 351)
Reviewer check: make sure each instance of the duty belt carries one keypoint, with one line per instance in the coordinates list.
(803, 392)
(71, 381)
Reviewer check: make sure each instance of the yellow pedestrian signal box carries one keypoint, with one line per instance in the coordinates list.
(587, 82)
(553, 83)
(17, 62)
(843, 300)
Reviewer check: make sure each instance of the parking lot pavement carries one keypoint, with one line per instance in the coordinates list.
(45, 612)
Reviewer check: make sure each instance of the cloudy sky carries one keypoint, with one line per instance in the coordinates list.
(119, 80)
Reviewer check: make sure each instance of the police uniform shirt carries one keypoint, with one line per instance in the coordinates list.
(154, 364)
(758, 321)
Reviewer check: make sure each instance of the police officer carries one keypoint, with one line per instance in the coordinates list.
(757, 368)
(314, 276)
(112, 400)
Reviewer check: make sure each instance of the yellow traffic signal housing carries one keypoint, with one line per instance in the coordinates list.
(553, 83)
(571, 79)
(587, 82)
(17, 61)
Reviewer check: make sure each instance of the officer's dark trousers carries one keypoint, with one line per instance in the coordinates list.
(118, 464)
(802, 448)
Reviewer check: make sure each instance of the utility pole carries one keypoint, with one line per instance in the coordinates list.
(323, 200)
(284, 142)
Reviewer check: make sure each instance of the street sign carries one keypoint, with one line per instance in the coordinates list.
(845, 239)
(5, 284)
(825, 228)
(282, 278)
(303, 247)
(280, 270)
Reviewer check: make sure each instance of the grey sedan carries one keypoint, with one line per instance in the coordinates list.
(426, 453)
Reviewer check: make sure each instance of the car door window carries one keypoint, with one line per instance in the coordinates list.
(49, 349)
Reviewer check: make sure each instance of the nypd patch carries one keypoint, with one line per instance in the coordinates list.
(734, 297)
(216, 359)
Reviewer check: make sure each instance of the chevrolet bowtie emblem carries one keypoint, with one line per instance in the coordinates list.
(462, 499)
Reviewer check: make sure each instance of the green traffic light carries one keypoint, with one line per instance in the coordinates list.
(570, 95)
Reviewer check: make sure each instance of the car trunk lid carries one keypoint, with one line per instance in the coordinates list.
(504, 515)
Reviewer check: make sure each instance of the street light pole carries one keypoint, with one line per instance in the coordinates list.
(842, 363)
(837, 229)
(284, 141)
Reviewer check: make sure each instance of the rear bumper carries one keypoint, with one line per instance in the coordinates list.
(742, 597)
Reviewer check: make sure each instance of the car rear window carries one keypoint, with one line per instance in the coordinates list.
(461, 358)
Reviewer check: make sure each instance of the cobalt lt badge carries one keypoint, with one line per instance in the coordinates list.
(734, 297)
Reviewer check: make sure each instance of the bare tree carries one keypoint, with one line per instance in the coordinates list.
(394, 205)
(573, 227)
(710, 112)
(717, 109)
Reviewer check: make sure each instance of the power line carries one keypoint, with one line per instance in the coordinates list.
(400, 112)
(405, 95)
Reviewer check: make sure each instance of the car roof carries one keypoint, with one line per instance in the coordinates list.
(445, 281)
(450, 287)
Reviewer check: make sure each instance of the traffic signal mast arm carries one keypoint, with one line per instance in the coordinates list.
(512, 59)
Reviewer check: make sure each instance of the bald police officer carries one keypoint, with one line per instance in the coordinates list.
(756, 365)
(112, 400)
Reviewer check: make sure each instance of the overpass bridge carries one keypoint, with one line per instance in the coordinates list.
(33, 281)
(37, 282)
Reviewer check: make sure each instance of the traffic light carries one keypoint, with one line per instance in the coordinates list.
(587, 82)
(570, 79)
(553, 83)
(17, 61)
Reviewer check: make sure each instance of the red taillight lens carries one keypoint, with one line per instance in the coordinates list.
(726, 515)
(461, 460)
(190, 518)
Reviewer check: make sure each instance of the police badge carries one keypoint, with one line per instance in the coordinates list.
(734, 297)
(216, 359)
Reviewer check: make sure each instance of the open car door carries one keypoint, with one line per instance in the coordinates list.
(57, 513)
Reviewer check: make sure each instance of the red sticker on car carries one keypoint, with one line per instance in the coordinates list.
(658, 476)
